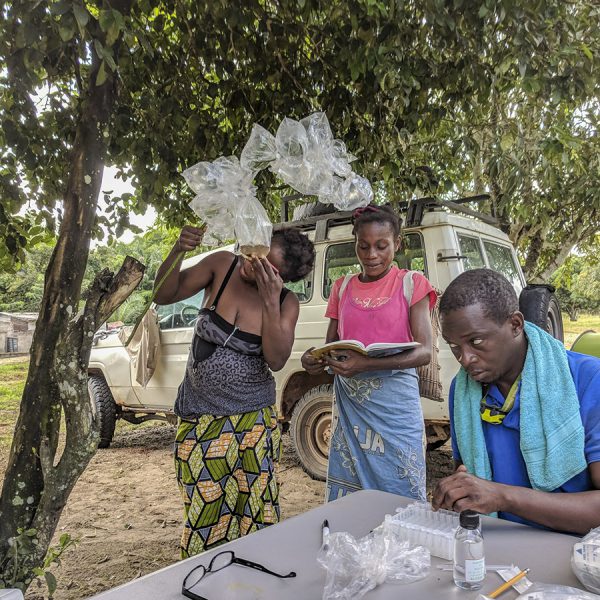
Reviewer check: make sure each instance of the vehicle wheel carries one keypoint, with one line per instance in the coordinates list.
(310, 430)
(540, 306)
(104, 408)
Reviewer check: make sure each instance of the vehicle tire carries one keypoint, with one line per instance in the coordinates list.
(310, 430)
(540, 307)
(104, 409)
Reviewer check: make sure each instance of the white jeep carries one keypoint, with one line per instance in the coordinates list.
(440, 239)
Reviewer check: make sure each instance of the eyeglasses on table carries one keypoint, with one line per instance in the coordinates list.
(218, 563)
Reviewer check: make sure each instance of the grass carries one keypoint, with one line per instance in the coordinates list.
(13, 372)
(573, 329)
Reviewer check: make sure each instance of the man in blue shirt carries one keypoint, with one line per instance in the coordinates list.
(482, 325)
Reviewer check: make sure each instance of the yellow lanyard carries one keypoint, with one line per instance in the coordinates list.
(495, 415)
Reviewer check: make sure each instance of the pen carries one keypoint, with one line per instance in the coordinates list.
(325, 533)
(508, 584)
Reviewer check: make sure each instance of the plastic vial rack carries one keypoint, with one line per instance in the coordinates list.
(419, 525)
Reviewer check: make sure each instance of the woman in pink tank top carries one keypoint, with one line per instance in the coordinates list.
(378, 435)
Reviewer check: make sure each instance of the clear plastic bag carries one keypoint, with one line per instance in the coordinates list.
(259, 151)
(585, 560)
(226, 201)
(546, 591)
(311, 161)
(356, 566)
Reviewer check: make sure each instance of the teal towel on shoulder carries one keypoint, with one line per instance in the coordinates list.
(551, 432)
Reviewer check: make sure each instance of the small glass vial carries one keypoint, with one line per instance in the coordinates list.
(469, 558)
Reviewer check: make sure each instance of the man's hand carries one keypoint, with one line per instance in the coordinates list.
(314, 366)
(347, 363)
(463, 491)
(189, 238)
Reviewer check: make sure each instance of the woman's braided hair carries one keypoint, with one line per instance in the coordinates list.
(373, 213)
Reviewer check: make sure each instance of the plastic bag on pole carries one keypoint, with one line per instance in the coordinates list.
(312, 162)
(226, 201)
(259, 151)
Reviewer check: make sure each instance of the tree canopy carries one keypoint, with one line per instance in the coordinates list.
(434, 96)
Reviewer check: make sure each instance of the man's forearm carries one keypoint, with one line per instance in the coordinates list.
(576, 512)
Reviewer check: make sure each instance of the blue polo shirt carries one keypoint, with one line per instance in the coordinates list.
(502, 441)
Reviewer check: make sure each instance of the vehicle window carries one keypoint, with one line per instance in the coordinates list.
(340, 259)
(470, 248)
(501, 259)
(302, 288)
(412, 253)
(180, 314)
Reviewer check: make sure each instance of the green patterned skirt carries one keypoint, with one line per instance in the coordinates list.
(226, 473)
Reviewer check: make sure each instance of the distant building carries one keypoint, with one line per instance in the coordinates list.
(16, 331)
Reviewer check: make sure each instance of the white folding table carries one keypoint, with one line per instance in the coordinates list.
(293, 546)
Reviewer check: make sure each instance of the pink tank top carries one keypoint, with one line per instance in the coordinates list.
(376, 311)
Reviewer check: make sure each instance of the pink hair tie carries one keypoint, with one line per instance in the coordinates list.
(364, 209)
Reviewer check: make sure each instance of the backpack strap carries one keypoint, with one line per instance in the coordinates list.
(408, 285)
(344, 285)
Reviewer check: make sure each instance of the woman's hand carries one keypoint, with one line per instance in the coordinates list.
(314, 366)
(268, 282)
(348, 363)
(189, 238)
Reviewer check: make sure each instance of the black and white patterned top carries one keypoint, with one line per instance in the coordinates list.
(226, 373)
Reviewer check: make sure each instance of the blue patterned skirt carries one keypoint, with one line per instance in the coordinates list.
(378, 438)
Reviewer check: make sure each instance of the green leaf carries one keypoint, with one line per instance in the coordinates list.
(50, 582)
(82, 16)
(66, 31)
(506, 142)
(106, 19)
(101, 75)
(60, 8)
(587, 51)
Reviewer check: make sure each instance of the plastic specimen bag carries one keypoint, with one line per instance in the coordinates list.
(306, 156)
(226, 201)
(356, 566)
(585, 560)
(546, 591)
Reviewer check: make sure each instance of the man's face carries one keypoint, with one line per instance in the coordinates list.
(485, 349)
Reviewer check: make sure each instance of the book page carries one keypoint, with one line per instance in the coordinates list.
(339, 345)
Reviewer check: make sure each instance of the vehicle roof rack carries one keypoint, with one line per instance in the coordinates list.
(412, 212)
(415, 209)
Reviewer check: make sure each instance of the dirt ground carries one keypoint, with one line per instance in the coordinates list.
(126, 514)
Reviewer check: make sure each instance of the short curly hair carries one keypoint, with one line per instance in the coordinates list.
(298, 253)
(374, 213)
(488, 288)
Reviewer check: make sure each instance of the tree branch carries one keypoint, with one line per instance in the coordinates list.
(122, 285)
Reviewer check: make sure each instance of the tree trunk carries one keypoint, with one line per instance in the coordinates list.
(37, 483)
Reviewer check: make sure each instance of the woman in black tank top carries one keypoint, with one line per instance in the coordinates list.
(228, 441)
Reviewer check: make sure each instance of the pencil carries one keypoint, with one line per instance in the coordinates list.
(508, 584)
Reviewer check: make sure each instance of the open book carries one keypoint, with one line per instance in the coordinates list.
(379, 349)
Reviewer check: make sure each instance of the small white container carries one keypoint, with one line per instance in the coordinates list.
(420, 525)
(11, 594)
